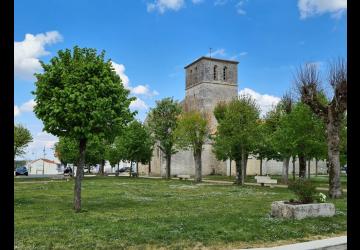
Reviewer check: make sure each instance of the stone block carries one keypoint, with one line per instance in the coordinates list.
(300, 211)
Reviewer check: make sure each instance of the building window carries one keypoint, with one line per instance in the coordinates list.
(224, 73)
(215, 69)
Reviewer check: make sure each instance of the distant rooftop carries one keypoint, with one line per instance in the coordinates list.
(212, 59)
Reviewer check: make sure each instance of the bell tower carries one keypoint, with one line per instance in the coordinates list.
(209, 81)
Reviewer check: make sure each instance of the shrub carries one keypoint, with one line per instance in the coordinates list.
(304, 190)
(321, 198)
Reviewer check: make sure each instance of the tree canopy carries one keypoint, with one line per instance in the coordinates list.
(79, 95)
(237, 132)
(191, 133)
(162, 122)
(22, 138)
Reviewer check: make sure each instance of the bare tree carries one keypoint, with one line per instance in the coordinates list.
(331, 111)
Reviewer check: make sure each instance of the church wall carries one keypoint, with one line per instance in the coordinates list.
(273, 167)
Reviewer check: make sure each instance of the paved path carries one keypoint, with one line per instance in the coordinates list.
(336, 243)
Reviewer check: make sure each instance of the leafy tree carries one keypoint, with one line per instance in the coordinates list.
(300, 133)
(264, 146)
(163, 122)
(139, 144)
(332, 112)
(237, 132)
(113, 155)
(79, 95)
(67, 150)
(22, 138)
(191, 133)
(95, 152)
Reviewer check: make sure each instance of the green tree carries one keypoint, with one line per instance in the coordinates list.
(113, 155)
(237, 133)
(264, 147)
(163, 122)
(300, 133)
(95, 152)
(191, 133)
(22, 138)
(139, 144)
(332, 112)
(79, 95)
(67, 151)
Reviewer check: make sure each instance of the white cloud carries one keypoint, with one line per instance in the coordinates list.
(25, 107)
(37, 145)
(27, 53)
(310, 8)
(138, 90)
(16, 111)
(220, 2)
(243, 53)
(143, 90)
(197, 1)
(265, 101)
(120, 70)
(164, 5)
(138, 104)
(239, 8)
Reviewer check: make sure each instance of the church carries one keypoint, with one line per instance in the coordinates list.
(209, 81)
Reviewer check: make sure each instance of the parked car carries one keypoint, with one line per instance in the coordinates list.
(68, 171)
(21, 171)
(123, 169)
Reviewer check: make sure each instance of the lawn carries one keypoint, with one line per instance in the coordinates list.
(137, 213)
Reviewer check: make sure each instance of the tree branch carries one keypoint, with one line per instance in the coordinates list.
(308, 84)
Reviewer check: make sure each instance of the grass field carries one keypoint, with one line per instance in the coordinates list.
(131, 213)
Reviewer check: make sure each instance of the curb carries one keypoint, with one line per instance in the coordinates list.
(336, 243)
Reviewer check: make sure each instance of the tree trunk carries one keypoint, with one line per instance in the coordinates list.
(243, 155)
(239, 175)
(149, 167)
(79, 175)
(168, 164)
(309, 169)
(130, 172)
(293, 163)
(302, 166)
(316, 167)
(117, 173)
(245, 160)
(230, 168)
(285, 170)
(102, 167)
(261, 165)
(333, 131)
(197, 158)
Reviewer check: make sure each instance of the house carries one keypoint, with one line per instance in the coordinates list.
(44, 166)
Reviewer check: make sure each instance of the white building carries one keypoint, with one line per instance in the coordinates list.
(44, 166)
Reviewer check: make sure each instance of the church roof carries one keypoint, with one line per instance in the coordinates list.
(212, 59)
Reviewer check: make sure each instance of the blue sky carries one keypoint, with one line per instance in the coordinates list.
(150, 42)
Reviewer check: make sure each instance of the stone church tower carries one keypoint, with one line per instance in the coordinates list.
(208, 81)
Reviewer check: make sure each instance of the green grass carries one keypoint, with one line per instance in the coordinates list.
(131, 213)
